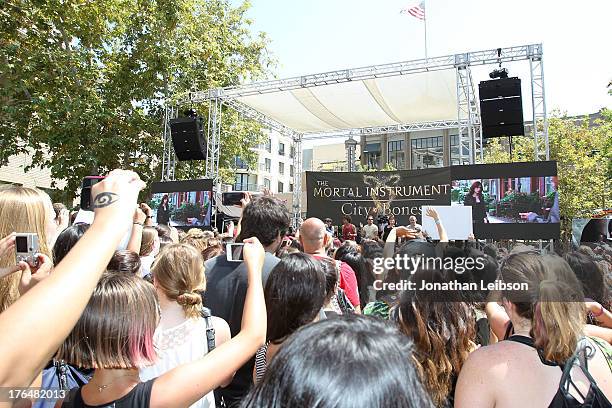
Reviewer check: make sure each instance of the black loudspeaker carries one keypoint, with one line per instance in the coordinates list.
(501, 107)
(188, 138)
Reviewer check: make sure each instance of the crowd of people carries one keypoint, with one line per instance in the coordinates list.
(124, 313)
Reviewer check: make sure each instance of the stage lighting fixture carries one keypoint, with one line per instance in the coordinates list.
(501, 73)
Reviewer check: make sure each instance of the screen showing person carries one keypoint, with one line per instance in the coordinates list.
(508, 200)
(514, 200)
(182, 204)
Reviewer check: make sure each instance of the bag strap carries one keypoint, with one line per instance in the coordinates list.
(210, 330)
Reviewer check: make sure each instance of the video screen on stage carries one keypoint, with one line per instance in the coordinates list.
(509, 201)
(182, 204)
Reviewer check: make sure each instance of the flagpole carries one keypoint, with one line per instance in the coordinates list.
(425, 25)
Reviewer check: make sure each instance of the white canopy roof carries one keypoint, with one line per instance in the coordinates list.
(394, 100)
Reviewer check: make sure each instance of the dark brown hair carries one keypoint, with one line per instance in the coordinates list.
(104, 336)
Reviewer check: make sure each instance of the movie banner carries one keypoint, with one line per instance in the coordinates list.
(399, 193)
(507, 201)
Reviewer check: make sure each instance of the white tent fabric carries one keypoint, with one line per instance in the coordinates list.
(414, 98)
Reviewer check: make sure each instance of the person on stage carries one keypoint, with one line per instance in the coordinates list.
(163, 212)
(349, 232)
(475, 200)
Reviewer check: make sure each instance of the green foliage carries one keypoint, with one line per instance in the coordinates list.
(83, 83)
(188, 210)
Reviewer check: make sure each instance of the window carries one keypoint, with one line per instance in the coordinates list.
(427, 152)
(291, 170)
(292, 152)
(241, 164)
(372, 156)
(281, 149)
(245, 182)
(268, 165)
(280, 187)
(291, 187)
(454, 152)
(281, 168)
(396, 154)
(269, 145)
(267, 183)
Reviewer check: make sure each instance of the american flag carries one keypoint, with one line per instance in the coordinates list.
(417, 11)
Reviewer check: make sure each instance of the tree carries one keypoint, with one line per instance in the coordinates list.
(83, 83)
(583, 160)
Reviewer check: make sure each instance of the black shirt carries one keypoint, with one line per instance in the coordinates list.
(226, 286)
(139, 396)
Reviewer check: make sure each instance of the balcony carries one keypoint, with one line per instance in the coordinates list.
(247, 187)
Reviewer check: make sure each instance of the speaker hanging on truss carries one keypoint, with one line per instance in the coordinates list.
(188, 137)
(501, 106)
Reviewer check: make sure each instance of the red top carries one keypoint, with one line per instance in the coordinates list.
(349, 232)
(348, 280)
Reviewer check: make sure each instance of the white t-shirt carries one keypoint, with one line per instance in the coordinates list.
(370, 231)
(179, 345)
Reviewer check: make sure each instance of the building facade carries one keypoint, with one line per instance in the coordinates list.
(274, 169)
(411, 150)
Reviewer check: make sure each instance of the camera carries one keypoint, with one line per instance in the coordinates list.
(26, 246)
(88, 183)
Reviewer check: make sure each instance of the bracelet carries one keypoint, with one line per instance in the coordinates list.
(138, 223)
(437, 221)
(601, 311)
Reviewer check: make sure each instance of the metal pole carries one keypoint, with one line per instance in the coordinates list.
(425, 24)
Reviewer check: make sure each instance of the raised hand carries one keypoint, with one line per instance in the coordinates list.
(115, 197)
(253, 253)
(431, 212)
(32, 275)
(7, 244)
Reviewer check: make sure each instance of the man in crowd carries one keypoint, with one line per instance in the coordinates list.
(266, 218)
(314, 240)
(370, 231)
(328, 226)
(413, 226)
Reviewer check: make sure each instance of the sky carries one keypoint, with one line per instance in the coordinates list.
(312, 36)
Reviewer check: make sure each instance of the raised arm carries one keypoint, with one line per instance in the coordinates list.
(188, 383)
(43, 317)
(137, 227)
(431, 212)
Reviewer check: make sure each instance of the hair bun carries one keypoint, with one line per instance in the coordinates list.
(189, 299)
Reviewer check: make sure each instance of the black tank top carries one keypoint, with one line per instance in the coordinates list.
(595, 398)
(138, 397)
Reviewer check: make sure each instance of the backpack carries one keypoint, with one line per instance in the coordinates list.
(60, 376)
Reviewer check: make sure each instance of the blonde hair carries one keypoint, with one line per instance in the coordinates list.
(553, 302)
(179, 273)
(197, 239)
(148, 240)
(21, 210)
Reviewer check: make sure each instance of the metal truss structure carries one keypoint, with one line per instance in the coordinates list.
(538, 102)
(169, 157)
(468, 108)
